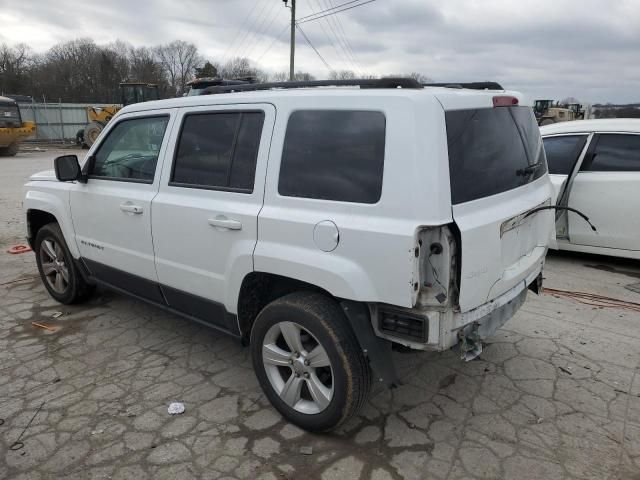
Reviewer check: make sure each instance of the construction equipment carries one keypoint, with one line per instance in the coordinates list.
(131, 92)
(12, 128)
(550, 111)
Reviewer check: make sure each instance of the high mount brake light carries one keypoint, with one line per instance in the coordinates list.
(504, 101)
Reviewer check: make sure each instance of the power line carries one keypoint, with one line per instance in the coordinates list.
(328, 9)
(338, 11)
(275, 39)
(248, 30)
(314, 48)
(338, 38)
(262, 31)
(235, 37)
(255, 34)
(338, 21)
(338, 54)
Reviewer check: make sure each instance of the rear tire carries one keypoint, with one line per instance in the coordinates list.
(317, 377)
(547, 121)
(10, 151)
(58, 271)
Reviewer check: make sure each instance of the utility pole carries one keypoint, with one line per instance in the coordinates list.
(293, 39)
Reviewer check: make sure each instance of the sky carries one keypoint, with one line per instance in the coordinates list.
(588, 49)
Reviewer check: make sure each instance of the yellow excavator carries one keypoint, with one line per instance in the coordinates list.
(12, 128)
(132, 92)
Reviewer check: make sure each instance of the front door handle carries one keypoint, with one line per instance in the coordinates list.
(224, 222)
(131, 208)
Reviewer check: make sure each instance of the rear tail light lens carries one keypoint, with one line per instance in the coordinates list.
(504, 101)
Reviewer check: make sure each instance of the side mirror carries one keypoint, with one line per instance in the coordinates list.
(67, 168)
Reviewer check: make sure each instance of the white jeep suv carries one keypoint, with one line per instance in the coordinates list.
(318, 222)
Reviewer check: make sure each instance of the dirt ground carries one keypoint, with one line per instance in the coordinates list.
(555, 394)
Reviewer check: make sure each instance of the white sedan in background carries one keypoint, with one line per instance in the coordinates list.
(594, 166)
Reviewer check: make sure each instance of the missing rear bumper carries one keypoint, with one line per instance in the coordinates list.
(470, 336)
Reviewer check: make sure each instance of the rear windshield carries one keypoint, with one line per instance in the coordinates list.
(492, 150)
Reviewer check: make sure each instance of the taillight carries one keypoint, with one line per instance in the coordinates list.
(504, 101)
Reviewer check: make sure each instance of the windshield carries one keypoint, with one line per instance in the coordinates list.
(492, 150)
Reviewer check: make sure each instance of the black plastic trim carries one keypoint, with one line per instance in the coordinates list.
(201, 310)
(134, 284)
(356, 82)
(210, 312)
(376, 349)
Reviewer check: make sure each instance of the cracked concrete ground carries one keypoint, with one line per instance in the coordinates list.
(555, 394)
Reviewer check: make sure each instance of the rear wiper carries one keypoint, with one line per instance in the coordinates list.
(529, 169)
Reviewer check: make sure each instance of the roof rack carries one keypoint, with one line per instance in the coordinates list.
(362, 83)
(470, 85)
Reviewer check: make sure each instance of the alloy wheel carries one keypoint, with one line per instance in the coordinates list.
(298, 367)
(54, 265)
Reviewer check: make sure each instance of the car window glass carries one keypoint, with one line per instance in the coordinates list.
(562, 152)
(130, 151)
(492, 150)
(218, 150)
(616, 153)
(333, 155)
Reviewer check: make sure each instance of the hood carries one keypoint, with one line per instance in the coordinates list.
(44, 176)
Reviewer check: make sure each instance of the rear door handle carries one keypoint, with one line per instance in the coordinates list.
(131, 208)
(224, 222)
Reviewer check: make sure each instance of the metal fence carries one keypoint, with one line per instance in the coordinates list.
(56, 121)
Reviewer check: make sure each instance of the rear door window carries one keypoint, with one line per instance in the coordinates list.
(492, 150)
(218, 151)
(615, 153)
(333, 155)
(562, 152)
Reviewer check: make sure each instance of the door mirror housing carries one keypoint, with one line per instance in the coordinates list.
(67, 168)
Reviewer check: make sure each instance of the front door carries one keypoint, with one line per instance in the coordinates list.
(607, 190)
(205, 217)
(563, 152)
(112, 211)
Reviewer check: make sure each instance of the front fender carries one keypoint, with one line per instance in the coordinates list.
(56, 203)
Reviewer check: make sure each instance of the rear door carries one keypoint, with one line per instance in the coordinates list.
(205, 217)
(498, 174)
(607, 190)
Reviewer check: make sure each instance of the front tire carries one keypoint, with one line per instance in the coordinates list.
(58, 272)
(308, 361)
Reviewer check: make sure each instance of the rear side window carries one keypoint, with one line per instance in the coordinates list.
(492, 150)
(333, 155)
(562, 152)
(615, 153)
(218, 151)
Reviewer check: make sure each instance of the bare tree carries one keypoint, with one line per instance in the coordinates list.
(342, 75)
(420, 77)
(15, 63)
(237, 67)
(178, 59)
(284, 77)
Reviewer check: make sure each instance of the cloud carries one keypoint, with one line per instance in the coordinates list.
(547, 48)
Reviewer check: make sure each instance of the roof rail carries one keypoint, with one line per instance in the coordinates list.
(362, 83)
(470, 85)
